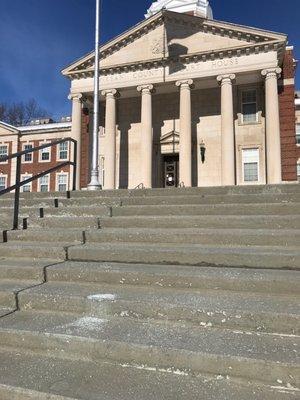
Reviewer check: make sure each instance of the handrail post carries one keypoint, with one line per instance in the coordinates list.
(75, 166)
(17, 194)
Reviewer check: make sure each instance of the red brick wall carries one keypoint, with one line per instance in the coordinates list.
(36, 167)
(84, 156)
(287, 120)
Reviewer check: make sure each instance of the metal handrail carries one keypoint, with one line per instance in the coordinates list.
(16, 187)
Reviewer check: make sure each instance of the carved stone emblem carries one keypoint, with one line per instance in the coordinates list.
(157, 46)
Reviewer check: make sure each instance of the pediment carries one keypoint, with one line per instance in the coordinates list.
(167, 36)
(6, 129)
(170, 137)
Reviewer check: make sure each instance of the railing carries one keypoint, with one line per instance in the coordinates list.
(16, 187)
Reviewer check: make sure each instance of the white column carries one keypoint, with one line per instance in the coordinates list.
(227, 138)
(146, 133)
(273, 149)
(110, 138)
(76, 129)
(185, 140)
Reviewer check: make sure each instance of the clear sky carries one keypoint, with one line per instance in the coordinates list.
(38, 38)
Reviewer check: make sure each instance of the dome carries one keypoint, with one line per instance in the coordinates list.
(200, 8)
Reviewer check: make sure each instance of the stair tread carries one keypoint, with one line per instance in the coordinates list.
(166, 336)
(216, 301)
(38, 377)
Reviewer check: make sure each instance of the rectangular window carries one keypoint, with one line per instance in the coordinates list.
(251, 165)
(27, 158)
(63, 149)
(298, 171)
(2, 182)
(3, 152)
(28, 187)
(44, 183)
(249, 106)
(44, 153)
(62, 182)
(298, 134)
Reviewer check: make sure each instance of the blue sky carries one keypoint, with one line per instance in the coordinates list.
(40, 37)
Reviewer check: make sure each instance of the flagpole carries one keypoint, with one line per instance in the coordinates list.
(94, 183)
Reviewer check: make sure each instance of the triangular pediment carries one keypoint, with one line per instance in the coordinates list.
(170, 137)
(168, 35)
(6, 129)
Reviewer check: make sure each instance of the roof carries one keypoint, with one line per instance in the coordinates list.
(55, 125)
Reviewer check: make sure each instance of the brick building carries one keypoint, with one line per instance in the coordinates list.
(185, 99)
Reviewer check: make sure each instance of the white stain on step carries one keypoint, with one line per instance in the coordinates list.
(90, 323)
(102, 297)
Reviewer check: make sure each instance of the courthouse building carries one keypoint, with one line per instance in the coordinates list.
(187, 100)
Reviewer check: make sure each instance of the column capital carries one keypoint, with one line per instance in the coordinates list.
(110, 93)
(185, 83)
(75, 96)
(145, 88)
(227, 78)
(271, 72)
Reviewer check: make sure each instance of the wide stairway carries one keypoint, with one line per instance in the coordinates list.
(179, 294)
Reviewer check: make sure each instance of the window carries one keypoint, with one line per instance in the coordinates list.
(44, 153)
(298, 171)
(2, 182)
(62, 182)
(27, 157)
(102, 171)
(63, 149)
(251, 165)
(298, 134)
(28, 186)
(3, 152)
(249, 106)
(44, 183)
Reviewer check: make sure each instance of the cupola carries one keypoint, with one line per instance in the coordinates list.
(200, 8)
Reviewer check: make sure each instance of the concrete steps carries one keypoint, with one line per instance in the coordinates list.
(259, 357)
(133, 284)
(189, 254)
(37, 377)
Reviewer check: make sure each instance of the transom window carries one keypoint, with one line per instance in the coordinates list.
(3, 151)
(251, 165)
(2, 182)
(44, 183)
(62, 182)
(298, 134)
(27, 157)
(63, 149)
(249, 106)
(44, 153)
(28, 186)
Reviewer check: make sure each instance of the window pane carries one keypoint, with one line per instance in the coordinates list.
(3, 151)
(2, 182)
(298, 129)
(63, 151)
(249, 96)
(298, 138)
(27, 187)
(251, 172)
(249, 112)
(62, 182)
(28, 157)
(298, 169)
(44, 181)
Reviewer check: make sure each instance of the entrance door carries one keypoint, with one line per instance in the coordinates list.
(170, 169)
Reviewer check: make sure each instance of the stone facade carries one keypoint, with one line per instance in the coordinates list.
(216, 98)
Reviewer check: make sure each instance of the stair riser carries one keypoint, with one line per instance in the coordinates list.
(15, 393)
(278, 209)
(21, 273)
(216, 238)
(32, 252)
(214, 222)
(216, 199)
(181, 257)
(93, 276)
(65, 346)
(61, 222)
(29, 235)
(259, 322)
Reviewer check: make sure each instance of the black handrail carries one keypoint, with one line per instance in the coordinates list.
(16, 187)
